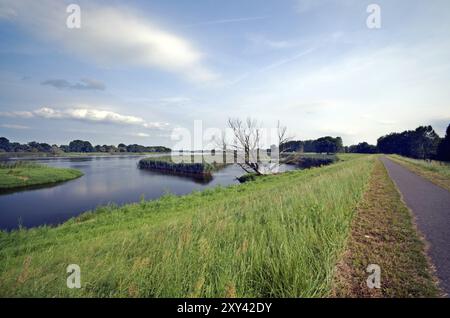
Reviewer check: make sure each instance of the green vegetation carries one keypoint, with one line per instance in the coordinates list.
(326, 144)
(437, 172)
(421, 143)
(383, 233)
(309, 160)
(301, 160)
(195, 165)
(24, 174)
(75, 146)
(280, 236)
(249, 177)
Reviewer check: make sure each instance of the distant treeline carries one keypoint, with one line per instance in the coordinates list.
(322, 145)
(421, 143)
(75, 146)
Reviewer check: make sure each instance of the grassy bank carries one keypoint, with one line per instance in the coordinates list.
(437, 172)
(23, 174)
(306, 161)
(280, 236)
(383, 233)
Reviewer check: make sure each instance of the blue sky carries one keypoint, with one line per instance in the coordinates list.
(137, 70)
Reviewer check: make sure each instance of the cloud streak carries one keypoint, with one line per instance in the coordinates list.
(84, 84)
(87, 114)
(13, 126)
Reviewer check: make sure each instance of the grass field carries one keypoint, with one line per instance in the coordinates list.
(437, 172)
(21, 174)
(279, 236)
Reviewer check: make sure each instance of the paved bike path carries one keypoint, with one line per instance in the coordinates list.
(430, 205)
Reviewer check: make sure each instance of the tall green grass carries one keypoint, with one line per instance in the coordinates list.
(440, 167)
(279, 236)
(18, 164)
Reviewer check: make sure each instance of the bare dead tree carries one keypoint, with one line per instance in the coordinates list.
(282, 136)
(246, 141)
(220, 141)
(283, 139)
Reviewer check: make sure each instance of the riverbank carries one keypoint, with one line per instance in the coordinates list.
(279, 236)
(19, 175)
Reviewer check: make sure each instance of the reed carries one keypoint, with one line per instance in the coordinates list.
(186, 165)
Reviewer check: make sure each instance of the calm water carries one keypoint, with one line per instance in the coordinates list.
(105, 180)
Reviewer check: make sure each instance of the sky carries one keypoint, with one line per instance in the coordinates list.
(139, 71)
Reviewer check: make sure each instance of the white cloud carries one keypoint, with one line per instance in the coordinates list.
(142, 135)
(12, 126)
(19, 114)
(112, 36)
(86, 113)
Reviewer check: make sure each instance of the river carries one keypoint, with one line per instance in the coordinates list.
(113, 179)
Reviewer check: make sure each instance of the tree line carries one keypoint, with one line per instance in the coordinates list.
(326, 144)
(75, 146)
(421, 143)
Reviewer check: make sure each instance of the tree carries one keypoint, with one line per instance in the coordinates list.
(421, 143)
(80, 146)
(424, 143)
(283, 137)
(39, 147)
(220, 142)
(328, 144)
(246, 143)
(443, 152)
(246, 140)
(4, 144)
(292, 146)
(64, 148)
(362, 147)
(122, 147)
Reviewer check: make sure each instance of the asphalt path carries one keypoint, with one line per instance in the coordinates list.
(430, 205)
